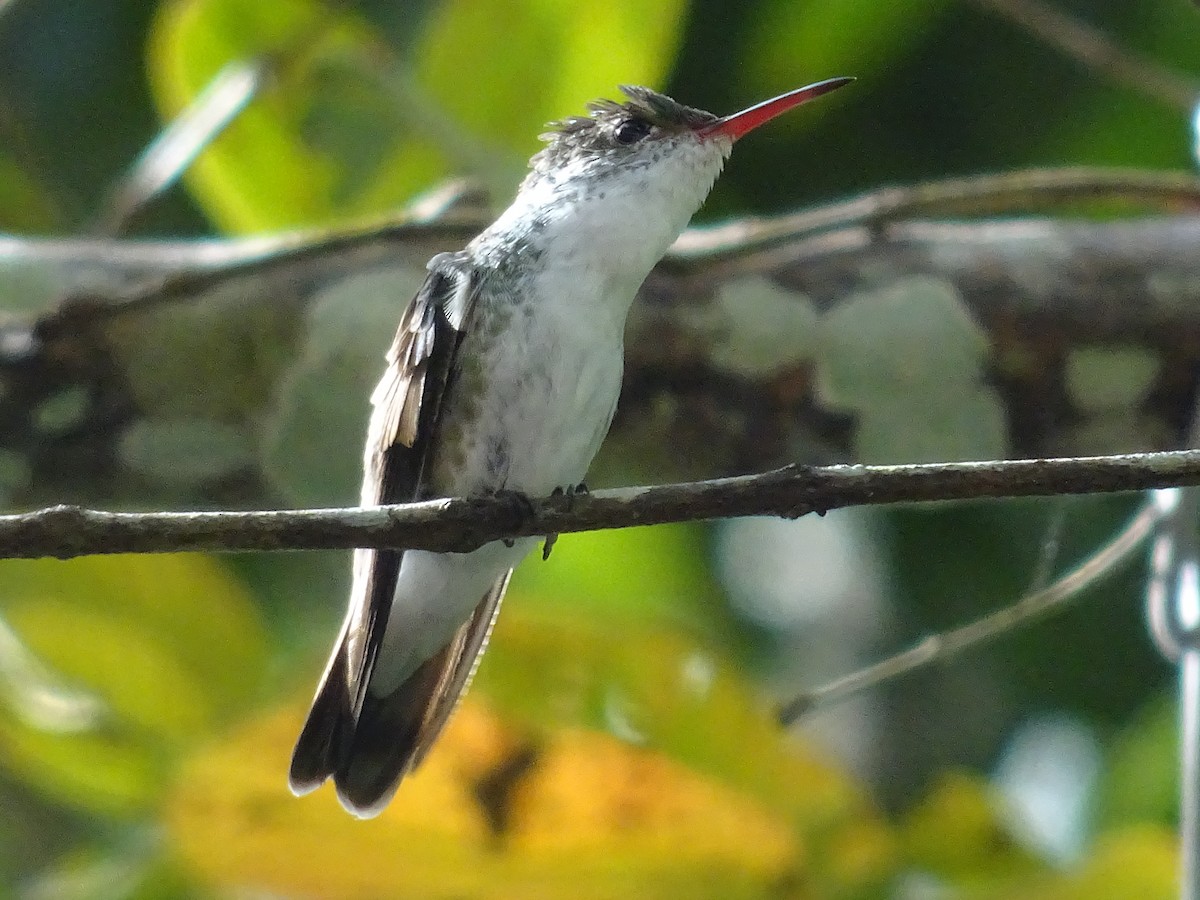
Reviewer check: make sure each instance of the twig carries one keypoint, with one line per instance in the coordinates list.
(226, 96)
(459, 525)
(1099, 53)
(1051, 546)
(940, 648)
(176, 147)
(971, 196)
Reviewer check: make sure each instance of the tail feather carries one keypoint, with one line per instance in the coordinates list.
(386, 740)
(369, 751)
(328, 730)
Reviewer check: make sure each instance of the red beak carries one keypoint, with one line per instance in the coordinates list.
(740, 123)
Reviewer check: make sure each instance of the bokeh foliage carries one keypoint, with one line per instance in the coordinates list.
(149, 703)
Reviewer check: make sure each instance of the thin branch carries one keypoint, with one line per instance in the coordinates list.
(941, 648)
(459, 525)
(1052, 538)
(1096, 51)
(973, 196)
(176, 147)
(217, 106)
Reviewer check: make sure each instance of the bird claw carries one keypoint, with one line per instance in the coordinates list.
(571, 491)
(518, 500)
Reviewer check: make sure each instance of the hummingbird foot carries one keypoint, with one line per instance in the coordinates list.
(571, 491)
(521, 504)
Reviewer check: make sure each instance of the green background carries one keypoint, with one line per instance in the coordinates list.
(149, 660)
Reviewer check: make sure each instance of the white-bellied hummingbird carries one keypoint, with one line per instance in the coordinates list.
(503, 377)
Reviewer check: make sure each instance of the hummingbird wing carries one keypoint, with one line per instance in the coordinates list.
(367, 743)
(469, 643)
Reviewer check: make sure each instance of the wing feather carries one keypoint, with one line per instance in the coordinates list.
(467, 650)
(407, 404)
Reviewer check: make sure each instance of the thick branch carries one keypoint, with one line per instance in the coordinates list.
(163, 373)
(464, 524)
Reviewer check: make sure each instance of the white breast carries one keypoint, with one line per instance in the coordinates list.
(553, 384)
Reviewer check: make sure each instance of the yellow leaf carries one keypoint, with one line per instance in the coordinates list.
(1132, 863)
(488, 815)
(605, 802)
(670, 691)
(956, 831)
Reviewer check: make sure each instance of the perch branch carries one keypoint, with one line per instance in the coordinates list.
(457, 525)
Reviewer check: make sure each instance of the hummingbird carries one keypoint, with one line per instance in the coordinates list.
(503, 377)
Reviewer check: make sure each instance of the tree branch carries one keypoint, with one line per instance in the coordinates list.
(936, 649)
(1099, 53)
(752, 345)
(463, 524)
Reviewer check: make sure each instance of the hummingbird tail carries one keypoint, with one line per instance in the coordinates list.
(389, 740)
(394, 732)
(366, 759)
(328, 729)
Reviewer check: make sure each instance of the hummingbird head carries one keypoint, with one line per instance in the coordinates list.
(622, 182)
(621, 138)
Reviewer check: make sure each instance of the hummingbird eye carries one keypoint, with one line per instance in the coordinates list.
(630, 131)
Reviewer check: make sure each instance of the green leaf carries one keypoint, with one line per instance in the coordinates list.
(791, 42)
(134, 870)
(1113, 125)
(348, 129)
(24, 204)
(116, 663)
(582, 52)
(1141, 779)
(258, 174)
(958, 832)
(1132, 863)
(109, 774)
(142, 682)
(188, 604)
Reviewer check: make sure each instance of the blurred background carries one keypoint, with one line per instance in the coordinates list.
(623, 714)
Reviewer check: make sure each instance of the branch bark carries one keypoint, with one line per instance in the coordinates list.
(189, 373)
(463, 524)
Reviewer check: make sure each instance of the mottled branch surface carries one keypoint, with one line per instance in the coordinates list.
(464, 524)
(236, 373)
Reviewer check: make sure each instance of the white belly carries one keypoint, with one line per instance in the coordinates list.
(552, 389)
(542, 417)
(435, 593)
